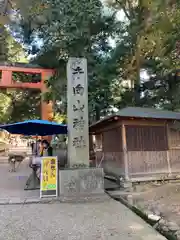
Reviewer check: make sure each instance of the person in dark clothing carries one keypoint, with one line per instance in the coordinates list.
(32, 146)
(47, 149)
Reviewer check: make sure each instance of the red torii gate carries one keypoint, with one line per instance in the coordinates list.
(7, 81)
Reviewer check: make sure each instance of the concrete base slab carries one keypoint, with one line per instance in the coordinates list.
(85, 199)
(81, 184)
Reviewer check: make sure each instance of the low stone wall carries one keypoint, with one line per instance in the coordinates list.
(77, 184)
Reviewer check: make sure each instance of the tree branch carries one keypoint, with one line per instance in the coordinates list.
(123, 8)
(130, 8)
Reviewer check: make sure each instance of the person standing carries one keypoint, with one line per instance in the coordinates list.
(47, 149)
(32, 146)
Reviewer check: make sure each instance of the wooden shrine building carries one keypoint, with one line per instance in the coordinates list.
(138, 144)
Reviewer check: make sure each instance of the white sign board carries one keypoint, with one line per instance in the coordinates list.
(78, 126)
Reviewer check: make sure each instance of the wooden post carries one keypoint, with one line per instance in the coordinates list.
(124, 145)
(46, 108)
(167, 152)
(6, 77)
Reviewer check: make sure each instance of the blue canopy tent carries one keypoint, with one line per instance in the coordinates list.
(35, 128)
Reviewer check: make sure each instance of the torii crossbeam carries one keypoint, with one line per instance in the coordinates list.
(6, 81)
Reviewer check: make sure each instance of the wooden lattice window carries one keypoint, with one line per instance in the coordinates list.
(146, 138)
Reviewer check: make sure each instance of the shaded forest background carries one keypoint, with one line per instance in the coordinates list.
(121, 39)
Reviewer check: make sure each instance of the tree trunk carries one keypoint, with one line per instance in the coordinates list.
(97, 113)
(3, 44)
(137, 95)
(137, 90)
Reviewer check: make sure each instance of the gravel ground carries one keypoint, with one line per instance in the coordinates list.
(164, 199)
(90, 221)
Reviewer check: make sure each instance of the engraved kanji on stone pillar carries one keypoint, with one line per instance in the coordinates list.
(77, 95)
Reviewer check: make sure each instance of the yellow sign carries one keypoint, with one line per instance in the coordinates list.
(49, 173)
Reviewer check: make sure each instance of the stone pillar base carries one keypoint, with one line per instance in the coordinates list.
(81, 185)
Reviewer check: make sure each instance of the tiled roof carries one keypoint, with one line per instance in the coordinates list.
(140, 112)
(148, 113)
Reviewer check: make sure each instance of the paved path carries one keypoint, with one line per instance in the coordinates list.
(109, 220)
(12, 184)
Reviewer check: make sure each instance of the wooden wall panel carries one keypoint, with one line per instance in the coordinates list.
(146, 138)
(147, 162)
(174, 138)
(112, 140)
(174, 156)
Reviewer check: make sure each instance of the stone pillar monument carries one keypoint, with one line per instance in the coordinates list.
(77, 112)
(79, 181)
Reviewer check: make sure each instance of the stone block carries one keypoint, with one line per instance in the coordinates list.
(81, 183)
(172, 226)
(126, 184)
(68, 183)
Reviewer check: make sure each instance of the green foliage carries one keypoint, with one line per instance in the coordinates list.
(16, 105)
(60, 118)
(148, 40)
(3, 43)
(15, 51)
(25, 105)
(152, 37)
(5, 102)
(78, 29)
